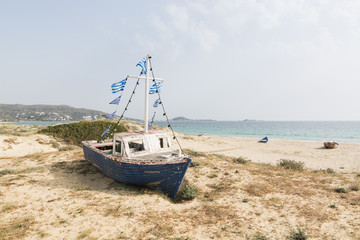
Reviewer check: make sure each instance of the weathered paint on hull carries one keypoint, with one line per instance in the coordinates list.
(167, 177)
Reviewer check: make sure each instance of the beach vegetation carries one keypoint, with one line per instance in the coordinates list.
(213, 175)
(11, 140)
(330, 171)
(18, 130)
(187, 192)
(332, 206)
(298, 234)
(241, 160)
(7, 171)
(114, 211)
(291, 164)
(67, 148)
(260, 236)
(42, 141)
(55, 144)
(258, 189)
(85, 234)
(193, 153)
(218, 189)
(194, 164)
(354, 188)
(16, 229)
(340, 190)
(38, 169)
(9, 207)
(75, 133)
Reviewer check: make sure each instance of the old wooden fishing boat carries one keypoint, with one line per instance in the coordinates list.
(141, 158)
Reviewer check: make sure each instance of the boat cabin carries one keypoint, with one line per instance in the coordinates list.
(129, 145)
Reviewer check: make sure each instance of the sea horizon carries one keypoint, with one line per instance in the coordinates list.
(337, 131)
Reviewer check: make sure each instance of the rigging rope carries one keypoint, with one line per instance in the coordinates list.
(162, 105)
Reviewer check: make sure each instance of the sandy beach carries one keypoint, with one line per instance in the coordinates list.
(50, 194)
(345, 158)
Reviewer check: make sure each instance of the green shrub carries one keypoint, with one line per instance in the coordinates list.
(330, 171)
(332, 206)
(340, 190)
(67, 148)
(260, 236)
(241, 160)
(194, 164)
(187, 193)
(194, 153)
(6, 171)
(298, 234)
(55, 144)
(75, 133)
(291, 164)
(354, 188)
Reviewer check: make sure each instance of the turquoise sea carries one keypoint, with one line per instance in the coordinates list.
(338, 131)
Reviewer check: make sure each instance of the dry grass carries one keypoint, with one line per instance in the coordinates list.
(18, 130)
(234, 201)
(17, 228)
(8, 207)
(12, 140)
(258, 189)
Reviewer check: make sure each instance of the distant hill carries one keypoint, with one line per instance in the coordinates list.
(181, 119)
(18, 112)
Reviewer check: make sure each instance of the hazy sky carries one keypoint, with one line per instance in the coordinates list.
(223, 60)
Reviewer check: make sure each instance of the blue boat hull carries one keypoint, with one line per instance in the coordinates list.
(167, 177)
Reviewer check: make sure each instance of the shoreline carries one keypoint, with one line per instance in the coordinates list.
(309, 139)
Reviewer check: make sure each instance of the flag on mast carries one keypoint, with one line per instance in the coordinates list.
(109, 116)
(106, 131)
(156, 87)
(142, 64)
(119, 86)
(116, 100)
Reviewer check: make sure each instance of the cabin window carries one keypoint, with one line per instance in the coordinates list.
(105, 149)
(163, 142)
(118, 147)
(136, 146)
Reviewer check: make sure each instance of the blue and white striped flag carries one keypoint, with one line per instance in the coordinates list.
(106, 131)
(156, 103)
(155, 86)
(119, 86)
(152, 121)
(110, 116)
(142, 64)
(116, 100)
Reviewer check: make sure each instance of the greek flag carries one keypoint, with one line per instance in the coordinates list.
(116, 100)
(156, 103)
(119, 86)
(152, 121)
(110, 116)
(142, 64)
(155, 86)
(106, 131)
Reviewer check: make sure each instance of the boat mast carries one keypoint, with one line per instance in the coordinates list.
(146, 78)
(146, 118)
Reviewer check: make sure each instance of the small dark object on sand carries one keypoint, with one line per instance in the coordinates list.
(330, 145)
(264, 140)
